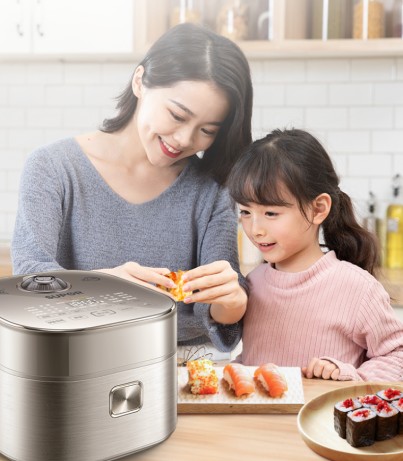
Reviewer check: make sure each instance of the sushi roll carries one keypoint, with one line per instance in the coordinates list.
(387, 418)
(390, 394)
(361, 427)
(370, 401)
(340, 414)
(272, 380)
(203, 378)
(398, 404)
(238, 379)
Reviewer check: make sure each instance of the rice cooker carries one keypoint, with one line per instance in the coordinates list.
(87, 367)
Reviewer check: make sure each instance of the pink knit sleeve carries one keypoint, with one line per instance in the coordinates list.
(379, 331)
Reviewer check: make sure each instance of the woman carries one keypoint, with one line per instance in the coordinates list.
(134, 200)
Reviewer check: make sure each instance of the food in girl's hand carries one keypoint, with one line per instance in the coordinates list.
(377, 419)
(398, 404)
(239, 379)
(361, 427)
(177, 292)
(203, 378)
(272, 380)
(387, 420)
(341, 409)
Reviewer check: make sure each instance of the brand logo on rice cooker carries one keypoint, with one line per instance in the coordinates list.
(62, 295)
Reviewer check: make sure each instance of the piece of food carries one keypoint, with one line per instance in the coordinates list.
(177, 292)
(370, 401)
(390, 394)
(340, 414)
(361, 427)
(239, 379)
(398, 404)
(272, 380)
(387, 421)
(203, 378)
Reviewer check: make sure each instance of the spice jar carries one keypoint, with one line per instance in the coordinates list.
(232, 20)
(368, 19)
(185, 11)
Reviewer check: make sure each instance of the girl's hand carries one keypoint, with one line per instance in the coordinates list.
(319, 368)
(142, 275)
(218, 285)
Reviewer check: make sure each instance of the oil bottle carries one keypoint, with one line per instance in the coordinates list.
(394, 227)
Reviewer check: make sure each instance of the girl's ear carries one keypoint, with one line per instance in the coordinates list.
(321, 208)
(137, 82)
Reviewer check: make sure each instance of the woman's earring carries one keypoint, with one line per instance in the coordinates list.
(200, 153)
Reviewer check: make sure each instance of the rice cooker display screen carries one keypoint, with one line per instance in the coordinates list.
(83, 303)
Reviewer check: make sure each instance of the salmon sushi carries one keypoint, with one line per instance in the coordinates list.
(203, 378)
(239, 379)
(272, 380)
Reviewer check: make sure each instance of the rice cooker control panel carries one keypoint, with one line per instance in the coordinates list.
(74, 300)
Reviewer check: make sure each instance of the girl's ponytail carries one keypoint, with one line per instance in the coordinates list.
(350, 241)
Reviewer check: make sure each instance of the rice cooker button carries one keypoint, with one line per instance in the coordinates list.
(126, 399)
(103, 312)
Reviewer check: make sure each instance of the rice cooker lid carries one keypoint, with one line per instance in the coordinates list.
(77, 300)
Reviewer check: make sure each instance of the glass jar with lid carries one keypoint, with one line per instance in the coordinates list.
(233, 19)
(186, 11)
(368, 19)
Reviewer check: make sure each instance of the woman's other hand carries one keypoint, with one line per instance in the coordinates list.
(143, 275)
(217, 284)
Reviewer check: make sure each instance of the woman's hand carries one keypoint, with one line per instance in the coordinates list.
(218, 285)
(319, 368)
(143, 275)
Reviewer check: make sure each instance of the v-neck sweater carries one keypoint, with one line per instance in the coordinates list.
(70, 218)
(333, 310)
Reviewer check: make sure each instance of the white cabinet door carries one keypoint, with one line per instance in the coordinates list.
(83, 26)
(15, 26)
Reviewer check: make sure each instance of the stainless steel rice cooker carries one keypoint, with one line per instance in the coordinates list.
(87, 367)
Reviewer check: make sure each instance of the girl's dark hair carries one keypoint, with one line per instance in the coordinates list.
(295, 159)
(190, 52)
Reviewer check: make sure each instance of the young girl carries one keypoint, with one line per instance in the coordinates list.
(133, 199)
(322, 311)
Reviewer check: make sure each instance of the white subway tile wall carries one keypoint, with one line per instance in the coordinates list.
(354, 106)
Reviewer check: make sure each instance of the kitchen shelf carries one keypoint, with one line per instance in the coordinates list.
(278, 49)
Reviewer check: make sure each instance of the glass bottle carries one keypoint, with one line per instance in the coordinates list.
(394, 228)
(368, 19)
(330, 19)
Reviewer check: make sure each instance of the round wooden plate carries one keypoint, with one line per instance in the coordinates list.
(315, 424)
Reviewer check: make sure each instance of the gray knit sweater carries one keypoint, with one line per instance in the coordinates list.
(69, 218)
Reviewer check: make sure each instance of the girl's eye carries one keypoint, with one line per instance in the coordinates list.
(271, 213)
(209, 132)
(243, 212)
(176, 117)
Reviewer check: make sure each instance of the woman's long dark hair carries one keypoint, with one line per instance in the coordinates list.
(190, 52)
(297, 160)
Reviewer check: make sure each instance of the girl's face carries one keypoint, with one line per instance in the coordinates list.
(175, 122)
(283, 234)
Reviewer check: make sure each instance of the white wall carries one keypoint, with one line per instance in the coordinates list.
(354, 106)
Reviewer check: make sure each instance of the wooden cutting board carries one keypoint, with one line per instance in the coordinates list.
(225, 400)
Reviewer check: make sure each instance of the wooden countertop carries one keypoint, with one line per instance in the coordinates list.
(238, 437)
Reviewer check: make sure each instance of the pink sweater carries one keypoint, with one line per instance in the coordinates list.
(334, 310)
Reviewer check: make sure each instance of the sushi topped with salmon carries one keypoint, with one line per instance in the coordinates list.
(271, 379)
(238, 379)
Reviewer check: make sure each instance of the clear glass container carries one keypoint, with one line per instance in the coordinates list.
(368, 19)
(186, 11)
(397, 19)
(331, 19)
(233, 19)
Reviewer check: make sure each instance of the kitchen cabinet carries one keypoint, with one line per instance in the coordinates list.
(66, 26)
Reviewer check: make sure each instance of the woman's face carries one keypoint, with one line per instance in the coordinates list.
(176, 122)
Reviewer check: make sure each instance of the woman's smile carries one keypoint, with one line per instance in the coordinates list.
(168, 150)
